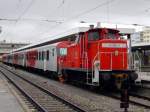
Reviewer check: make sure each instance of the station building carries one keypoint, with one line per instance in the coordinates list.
(136, 37)
(146, 34)
(141, 55)
(6, 47)
(141, 49)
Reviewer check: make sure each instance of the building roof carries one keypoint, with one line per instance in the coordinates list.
(141, 45)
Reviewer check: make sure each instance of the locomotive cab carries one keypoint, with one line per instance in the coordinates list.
(108, 57)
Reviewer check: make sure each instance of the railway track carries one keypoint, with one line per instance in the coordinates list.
(139, 98)
(134, 99)
(41, 98)
(142, 95)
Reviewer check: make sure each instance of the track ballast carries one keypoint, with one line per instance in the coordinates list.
(41, 98)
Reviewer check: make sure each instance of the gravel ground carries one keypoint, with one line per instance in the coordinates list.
(94, 102)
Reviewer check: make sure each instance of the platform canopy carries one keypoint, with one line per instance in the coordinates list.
(39, 20)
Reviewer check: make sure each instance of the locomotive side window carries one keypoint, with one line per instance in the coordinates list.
(63, 51)
(92, 36)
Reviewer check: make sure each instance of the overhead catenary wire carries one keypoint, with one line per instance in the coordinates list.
(106, 3)
(57, 21)
(20, 17)
(26, 9)
(62, 5)
(92, 9)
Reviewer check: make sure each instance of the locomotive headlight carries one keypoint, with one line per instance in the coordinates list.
(97, 63)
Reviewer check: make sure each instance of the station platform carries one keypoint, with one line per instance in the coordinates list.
(8, 102)
(144, 76)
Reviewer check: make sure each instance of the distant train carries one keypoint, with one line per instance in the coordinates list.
(97, 57)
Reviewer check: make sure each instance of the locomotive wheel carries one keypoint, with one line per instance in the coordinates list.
(61, 78)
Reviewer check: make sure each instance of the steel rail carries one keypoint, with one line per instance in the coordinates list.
(36, 104)
(70, 104)
(130, 101)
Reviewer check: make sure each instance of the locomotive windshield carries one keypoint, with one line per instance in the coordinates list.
(93, 36)
(111, 34)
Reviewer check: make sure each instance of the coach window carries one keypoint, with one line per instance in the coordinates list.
(36, 55)
(42, 55)
(53, 52)
(39, 55)
(47, 53)
(27, 56)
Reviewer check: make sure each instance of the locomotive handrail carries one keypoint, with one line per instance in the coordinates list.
(139, 62)
(130, 61)
(93, 63)
(86, 65)
(84, 60)
(97, 55)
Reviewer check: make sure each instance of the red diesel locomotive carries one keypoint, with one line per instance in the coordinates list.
(97, 57)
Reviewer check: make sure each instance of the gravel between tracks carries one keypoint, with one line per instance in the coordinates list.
(91, 101)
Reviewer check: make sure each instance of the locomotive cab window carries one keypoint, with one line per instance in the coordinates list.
(92, 36)
(111, 34)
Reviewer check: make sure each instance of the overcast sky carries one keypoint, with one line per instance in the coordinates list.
(39, 20)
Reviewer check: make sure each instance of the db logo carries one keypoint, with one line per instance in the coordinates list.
(116, 53)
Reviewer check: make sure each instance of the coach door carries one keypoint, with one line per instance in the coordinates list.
(46, 59)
